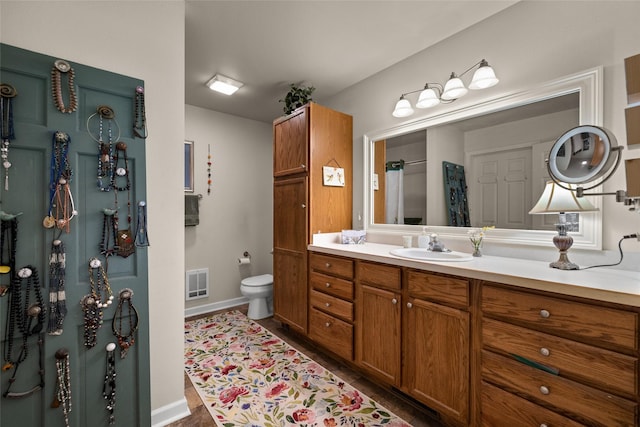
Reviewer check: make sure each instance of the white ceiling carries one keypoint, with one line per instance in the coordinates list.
(330, 45)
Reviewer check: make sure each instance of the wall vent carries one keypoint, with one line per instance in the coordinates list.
(197, 284)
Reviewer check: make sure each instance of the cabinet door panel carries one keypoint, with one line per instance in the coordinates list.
(437, 357)
(290, 214)
(378, 333)
(290, 145)
(290, 288)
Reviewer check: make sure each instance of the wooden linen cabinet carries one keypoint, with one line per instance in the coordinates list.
(304, 141)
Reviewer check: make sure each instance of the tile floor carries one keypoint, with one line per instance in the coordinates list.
(409, 411)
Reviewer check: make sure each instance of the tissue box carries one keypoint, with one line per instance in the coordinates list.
(354, 237)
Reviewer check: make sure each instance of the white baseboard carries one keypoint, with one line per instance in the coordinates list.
(220, 305)
(170, 413)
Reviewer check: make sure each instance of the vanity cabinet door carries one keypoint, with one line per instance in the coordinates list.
(436, 355)
(378, 332)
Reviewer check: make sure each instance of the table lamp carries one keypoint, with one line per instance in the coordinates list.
(558, 200)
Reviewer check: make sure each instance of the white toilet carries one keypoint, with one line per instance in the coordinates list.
(259, 290)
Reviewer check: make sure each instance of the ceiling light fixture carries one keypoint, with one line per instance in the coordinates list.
(224, 84)
(434, 93)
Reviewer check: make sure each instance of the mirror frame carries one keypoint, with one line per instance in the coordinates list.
(589, 84)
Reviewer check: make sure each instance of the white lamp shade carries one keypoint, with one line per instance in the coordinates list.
(556, 199)
(403, 108)
(483, 78)
(428, 98)
(224, 84)
(453, 89)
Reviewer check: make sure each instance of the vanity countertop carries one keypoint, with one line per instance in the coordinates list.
(602, 284)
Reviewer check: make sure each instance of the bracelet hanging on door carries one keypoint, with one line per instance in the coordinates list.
(139, 115)
(57, 296)
(61, 67)
(142, 238)
(125, 333)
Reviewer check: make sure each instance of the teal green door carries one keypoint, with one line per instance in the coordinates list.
(35, 119)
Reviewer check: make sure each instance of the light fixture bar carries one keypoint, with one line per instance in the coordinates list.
(224, 84)
(433, 93)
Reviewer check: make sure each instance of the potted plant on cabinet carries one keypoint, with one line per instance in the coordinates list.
(297, 96)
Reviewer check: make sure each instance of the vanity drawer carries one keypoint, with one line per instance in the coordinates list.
(384, 276)
(592, 405)
(604, 368)
(332, 333)
(332, 305)
(331, 265)
(332, 285)
(604, 326)
(438, 288)
(501, 408)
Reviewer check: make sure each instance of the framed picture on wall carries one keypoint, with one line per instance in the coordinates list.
(188, 166)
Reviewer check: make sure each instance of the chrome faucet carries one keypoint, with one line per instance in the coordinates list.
(435, 245)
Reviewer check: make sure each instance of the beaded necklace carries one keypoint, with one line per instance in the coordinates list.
(125, 334)
(7, 93)
(63, 384)
(125, 239)
(109, 386)
(63, 67)
(100, 283)
(21, 316)
(105, 149)
(92, 317)
(108, 242)
(60, 197)
(139, 118)
(57, 296)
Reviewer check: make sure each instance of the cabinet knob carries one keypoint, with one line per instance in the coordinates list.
(543, 425)
(327, 265)
(327, 324)
(409, 305)
(328, 285)
(394, 301)
(327, 304)
(544, 314)
(303, 206)
(302, 166)
(545, 351)
(544, 390)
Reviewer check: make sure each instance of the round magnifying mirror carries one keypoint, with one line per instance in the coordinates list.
(583, 154)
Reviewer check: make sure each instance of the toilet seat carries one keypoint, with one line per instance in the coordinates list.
(255, 281)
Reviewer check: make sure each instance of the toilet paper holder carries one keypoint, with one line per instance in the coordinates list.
(245, 259)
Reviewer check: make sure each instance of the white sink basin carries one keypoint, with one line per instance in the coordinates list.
(425, 255)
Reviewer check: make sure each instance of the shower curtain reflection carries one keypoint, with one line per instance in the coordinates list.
(394, 195)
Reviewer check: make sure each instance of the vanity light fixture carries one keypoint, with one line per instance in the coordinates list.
(433, 94)
(224, 84)
(558, 199)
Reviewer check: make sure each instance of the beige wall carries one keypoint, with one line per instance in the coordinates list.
(114, 36)
(237, 215)
(529, 43)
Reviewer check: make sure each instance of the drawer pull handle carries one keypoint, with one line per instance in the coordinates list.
(394, 301)
(544, 390)
(544, 314)
(409, 305)
(545, 351)
(327, 324)
(328, 265)
(327, 304)
(328, 285)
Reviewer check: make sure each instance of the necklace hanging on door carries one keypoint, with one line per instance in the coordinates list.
(100, 288)
(126, 333)
(108, 242)
(63, 384)
(121, 181)
(139, 115)
(109, 386)
(8, 240)
(7, 134)
(142, 238)
(61, 67)
(105, 148)
(61, 206)
(92, 318)
(57, 296)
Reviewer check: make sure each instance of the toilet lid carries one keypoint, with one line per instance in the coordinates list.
(262, 280)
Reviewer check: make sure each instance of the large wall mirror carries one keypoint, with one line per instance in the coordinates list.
(481, 165)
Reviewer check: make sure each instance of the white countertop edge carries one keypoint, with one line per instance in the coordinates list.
(602, 284)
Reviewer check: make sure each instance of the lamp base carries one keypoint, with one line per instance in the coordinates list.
(563, 263)
(563, 243)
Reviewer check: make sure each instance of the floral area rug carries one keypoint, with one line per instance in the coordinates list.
(247, 376)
